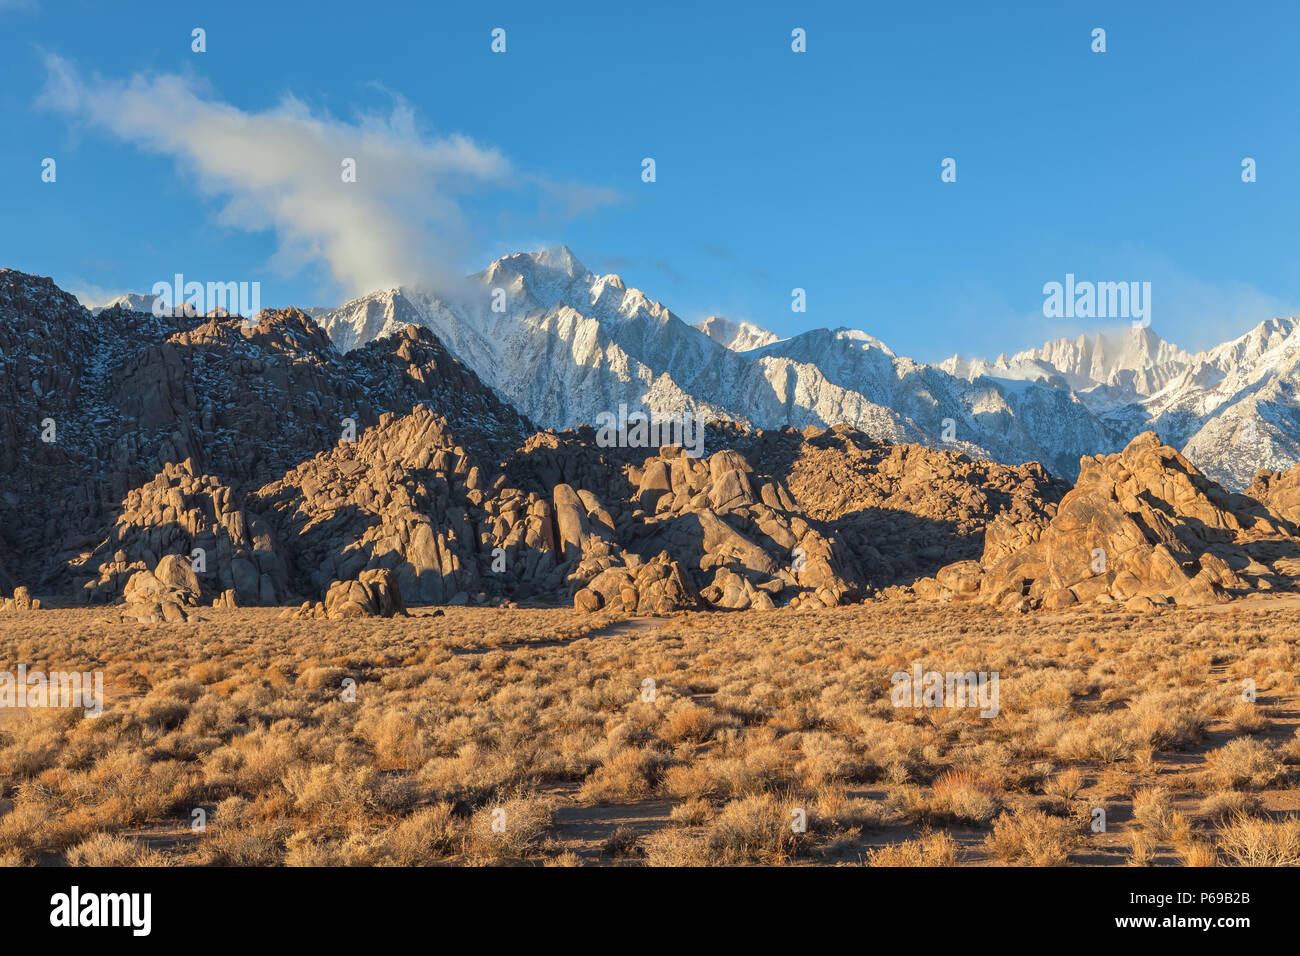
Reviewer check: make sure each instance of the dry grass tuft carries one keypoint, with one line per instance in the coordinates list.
(1243, 763)
(933, 849)
(1250, 841)
(1031, 837)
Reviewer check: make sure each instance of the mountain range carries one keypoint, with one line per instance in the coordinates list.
(164, 463)
(178, 460)
(563, 344)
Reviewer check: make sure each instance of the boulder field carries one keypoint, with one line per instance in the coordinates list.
(1140, 527)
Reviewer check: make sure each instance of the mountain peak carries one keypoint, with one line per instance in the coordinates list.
(546, 274)
(561, 258)
(553, 262)
(864, 339)
(737, 336)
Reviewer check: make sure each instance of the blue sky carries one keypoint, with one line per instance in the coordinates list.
(775, 170)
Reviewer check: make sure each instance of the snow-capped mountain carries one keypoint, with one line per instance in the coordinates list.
(1231, 409)
(564, 345)
(737, 336)
(131, 302)
(1140, 362)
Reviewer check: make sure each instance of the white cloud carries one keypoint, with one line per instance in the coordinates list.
(399, 223)
(93, 296)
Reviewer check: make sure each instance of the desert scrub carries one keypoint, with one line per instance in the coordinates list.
(1154, 811)
(630, 774)
(674, 846)
(755, 829)
(1243, 763)
(1251, 841)
(933, 849)
(426, 836)
(513, 829)
(964, 796)
(106, 849)
(1031, 837)
(239, 836)
(441, 733)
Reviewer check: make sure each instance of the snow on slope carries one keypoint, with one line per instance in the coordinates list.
(565, 345)
(737, 336)
(132, 302)
(1231, 409)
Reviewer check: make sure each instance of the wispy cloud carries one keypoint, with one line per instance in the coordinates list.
(1199, 313)
(1193, 311)
(400, 222)
(93, 296)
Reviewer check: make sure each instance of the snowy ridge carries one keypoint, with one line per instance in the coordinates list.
(737, 336)
(564, 345)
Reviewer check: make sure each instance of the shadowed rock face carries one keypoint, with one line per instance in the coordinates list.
(199, 519)
(1142, 526)
(97, 405)
(396, 499)
(406, 497)
(902, 511)
(1279, 491)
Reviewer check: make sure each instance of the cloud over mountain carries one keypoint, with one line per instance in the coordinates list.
(281, 169)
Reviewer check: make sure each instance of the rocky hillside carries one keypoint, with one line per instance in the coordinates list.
(97, 405)
(902, 510)
(767, 519)
(169, 464)
(1142, 527)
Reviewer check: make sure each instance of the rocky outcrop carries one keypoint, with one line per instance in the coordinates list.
(620, 516)
(200, 521)
(374, 593)
(635, 530)
(1142, 527)
(169, 593)
(21, 601)
(398, 498)
(737, 531)
(901, 511)
(658, 586)
(1279, 491)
